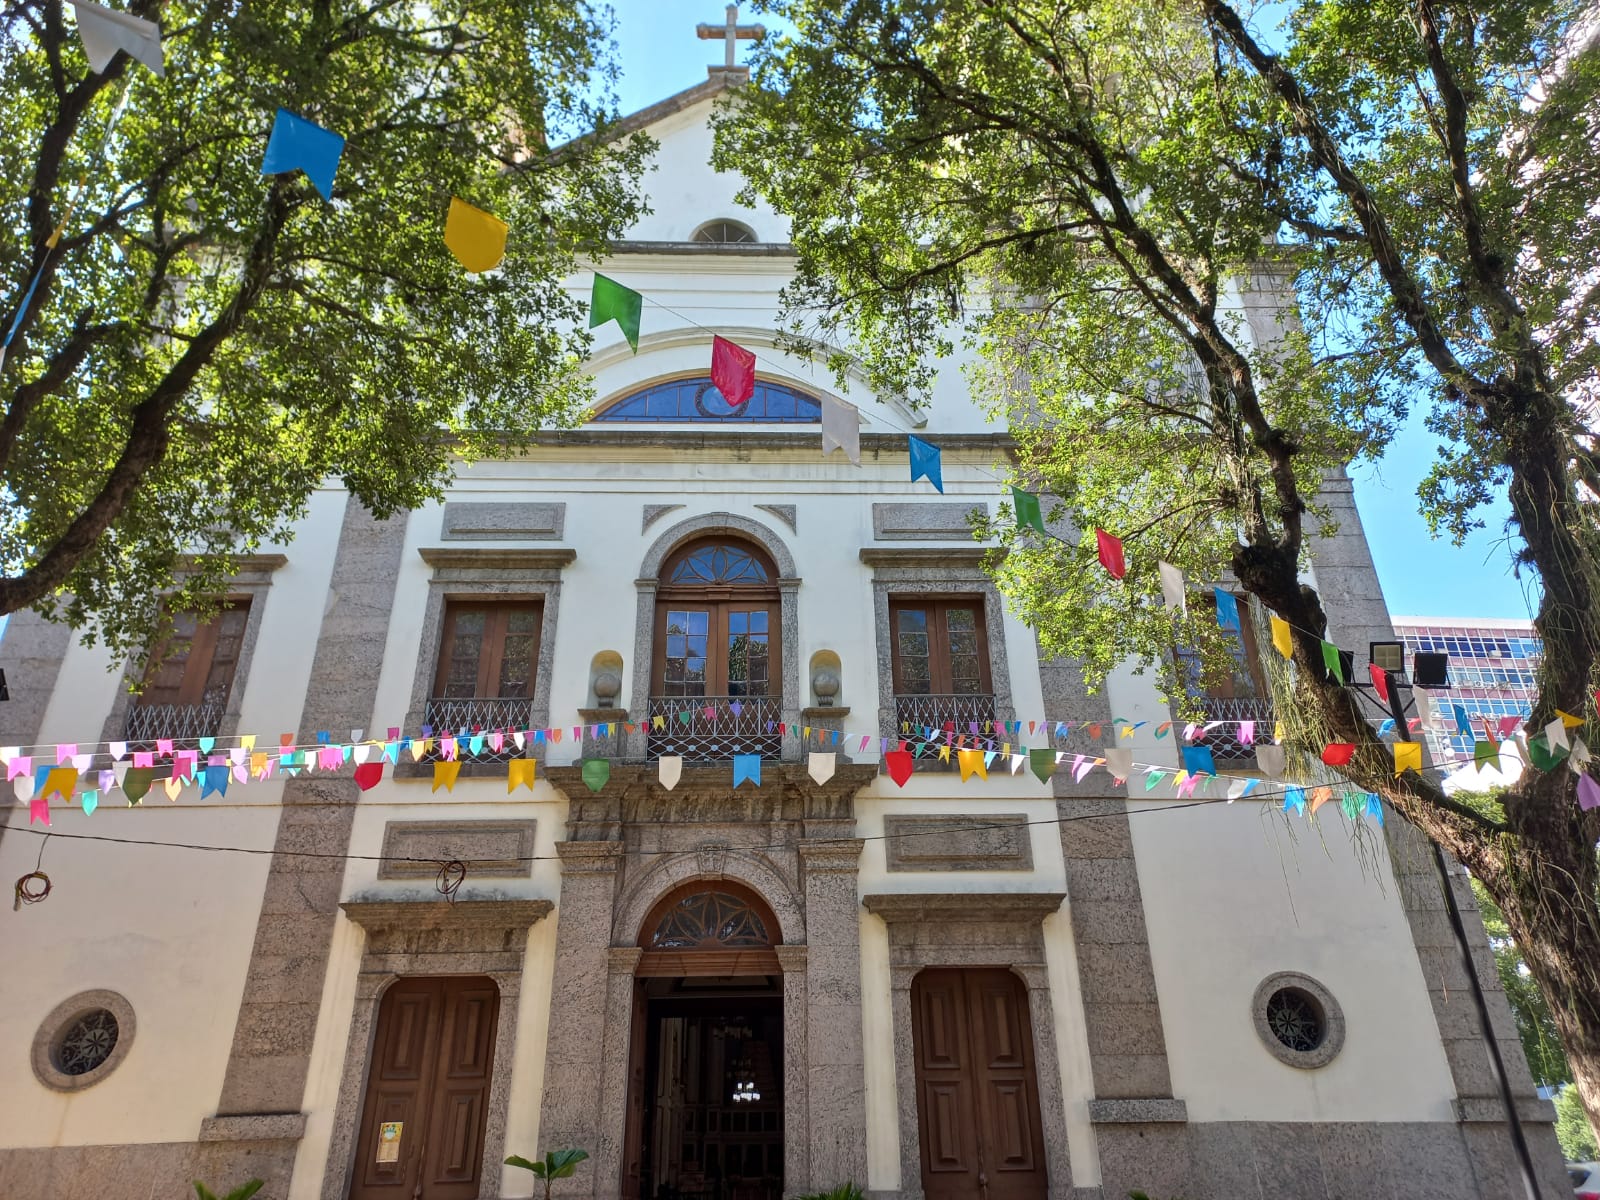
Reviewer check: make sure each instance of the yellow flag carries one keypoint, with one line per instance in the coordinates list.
(247, 741)
(944, 753)
(173, 786)
(1407, 756)
(476, 238)
(971, 760)
(1280, 637)
(1567, 719)
(258, 762)
(520, 771)
(444, 774)
(62, 781)
(419, 747)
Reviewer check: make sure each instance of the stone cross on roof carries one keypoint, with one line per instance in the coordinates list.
(732, 31)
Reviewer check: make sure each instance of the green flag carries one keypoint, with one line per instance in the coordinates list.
(1331, 660)
(136, 783)
(596, 772)
(611, 301)
(1042, 763)
(1483, 752)
(1026, 505)
(1540, 754)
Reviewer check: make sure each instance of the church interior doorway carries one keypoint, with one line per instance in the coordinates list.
(713, 1089)
(705, 1094)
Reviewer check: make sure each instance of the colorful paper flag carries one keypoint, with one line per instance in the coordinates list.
(611, 301)
(1333, 661)
(476, 238)
(821, 766)
(1172, 586)
(1199, 760)
(1588, 793)
(1407, 757)
(1120, 764)
(104, 31)
(1227, 610)
(39, 810)
(1294, 800)
(925, 462)
(669, 769)
(444, 774)
(596, 773)
(1380, 681)
(746, 767)
(971, 761)
(61, 781)
(899, 765)
(1271, 760)
(841, 429)
(1109, 550)
(733, 371)
(1026, 507)
(297, 144)
(1338, 754)
(519, 773)
(1043, 764)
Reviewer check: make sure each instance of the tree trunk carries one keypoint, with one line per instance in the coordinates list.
(1553, 915)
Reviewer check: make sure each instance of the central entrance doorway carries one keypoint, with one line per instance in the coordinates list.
(705, 1093)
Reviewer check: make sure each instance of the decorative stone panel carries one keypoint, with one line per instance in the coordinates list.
(927, 522)
(958, 843)
(478, 521)
(487, 848)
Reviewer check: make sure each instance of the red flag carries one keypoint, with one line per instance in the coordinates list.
(1380, 681)
(1337, 754)
(368, 775)
(1111, 554)
(899, 764)
(733, 371)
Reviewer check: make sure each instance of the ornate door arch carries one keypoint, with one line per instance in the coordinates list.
(709, 927)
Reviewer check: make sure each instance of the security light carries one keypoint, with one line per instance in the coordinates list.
(1430, 670)
(1389, 656)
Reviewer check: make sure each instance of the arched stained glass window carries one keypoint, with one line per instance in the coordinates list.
(677, 401)
(712, 920)
(726, 563)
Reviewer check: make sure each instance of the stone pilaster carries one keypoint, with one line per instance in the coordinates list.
(572, 1113)
(836, 1075)
(31, 653)
(796, 1065)
(277, 1022)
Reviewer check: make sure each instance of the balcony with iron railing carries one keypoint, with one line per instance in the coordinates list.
(183, 724)
(965, 716)
(687, 730)
(1224, 740)
(478, 714)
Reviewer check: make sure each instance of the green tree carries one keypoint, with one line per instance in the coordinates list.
(1541, 1040)
(205, 346)
(1573, 1131)
(1089, 191)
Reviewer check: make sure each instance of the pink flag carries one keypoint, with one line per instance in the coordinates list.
(733, 371)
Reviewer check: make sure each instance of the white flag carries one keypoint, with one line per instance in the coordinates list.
(669, 769)
(105, 31)
(1555, 734)
(1119, 763)
(1172, 586)
(1271, 760)
(821, 766)
(841, 429)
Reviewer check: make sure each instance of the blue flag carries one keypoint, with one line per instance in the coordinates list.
(1198, 760)
(746, 766)
(298, 145)
(1374, 807)
(925, 462)
(216, 780)
(1463, 725)
(1227, 610)
(1294, 800)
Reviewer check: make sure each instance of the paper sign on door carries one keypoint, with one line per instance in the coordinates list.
(389, 1141)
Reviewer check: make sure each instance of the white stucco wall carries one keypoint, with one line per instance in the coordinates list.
(1230, 897)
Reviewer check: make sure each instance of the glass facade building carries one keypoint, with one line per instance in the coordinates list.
(1492, 668)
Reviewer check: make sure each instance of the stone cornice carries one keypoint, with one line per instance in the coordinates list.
(796, 437)
(922, 557)
(638, 784)
(386, 915)
(944, 907)
(496, 558)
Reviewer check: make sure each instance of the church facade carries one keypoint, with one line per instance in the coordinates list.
(719, 985)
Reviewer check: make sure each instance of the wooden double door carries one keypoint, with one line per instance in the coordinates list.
(427, 1096)
(977, 1089)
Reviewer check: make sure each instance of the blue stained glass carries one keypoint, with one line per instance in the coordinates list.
(677, 401)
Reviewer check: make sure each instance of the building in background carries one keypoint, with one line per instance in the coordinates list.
(1492, 674)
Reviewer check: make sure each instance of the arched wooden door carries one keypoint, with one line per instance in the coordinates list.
(977, 1090)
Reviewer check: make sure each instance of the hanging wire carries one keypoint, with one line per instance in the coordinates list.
(35, 885)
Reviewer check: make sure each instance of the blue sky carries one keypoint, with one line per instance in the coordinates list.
(661, 55)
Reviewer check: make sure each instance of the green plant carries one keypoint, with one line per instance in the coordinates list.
(243, 1192)
(557, 1164)
(845, 1191)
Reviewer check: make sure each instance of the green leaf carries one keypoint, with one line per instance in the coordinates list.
(516, 1160)
(562, 1163)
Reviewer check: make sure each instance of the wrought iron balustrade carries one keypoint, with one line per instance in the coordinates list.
(717, 738)
(956, 717)
(184, 724)
(1224, 740)
(478, 714)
